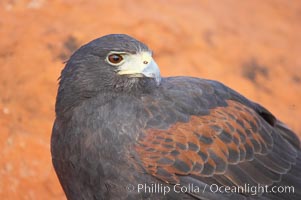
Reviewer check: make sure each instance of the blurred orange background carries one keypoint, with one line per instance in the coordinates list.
(251, 46)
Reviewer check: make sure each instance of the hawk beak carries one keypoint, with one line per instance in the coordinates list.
(140, 65)
(152, 71)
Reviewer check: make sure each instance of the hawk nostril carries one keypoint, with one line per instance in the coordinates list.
(145, 62)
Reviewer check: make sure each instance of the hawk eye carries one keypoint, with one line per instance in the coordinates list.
(115, 58)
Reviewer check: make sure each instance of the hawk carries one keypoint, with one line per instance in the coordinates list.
(124, 132)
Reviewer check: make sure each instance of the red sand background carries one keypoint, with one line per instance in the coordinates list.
(252, 46)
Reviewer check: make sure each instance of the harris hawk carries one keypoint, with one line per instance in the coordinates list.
(124, 132)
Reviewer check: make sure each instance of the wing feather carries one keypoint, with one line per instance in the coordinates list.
(231, 145)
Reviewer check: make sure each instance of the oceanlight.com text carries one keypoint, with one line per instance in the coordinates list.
(159, 188)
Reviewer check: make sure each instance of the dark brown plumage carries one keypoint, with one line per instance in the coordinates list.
(119, 124)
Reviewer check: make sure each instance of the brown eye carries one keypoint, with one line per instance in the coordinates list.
(115, 58)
